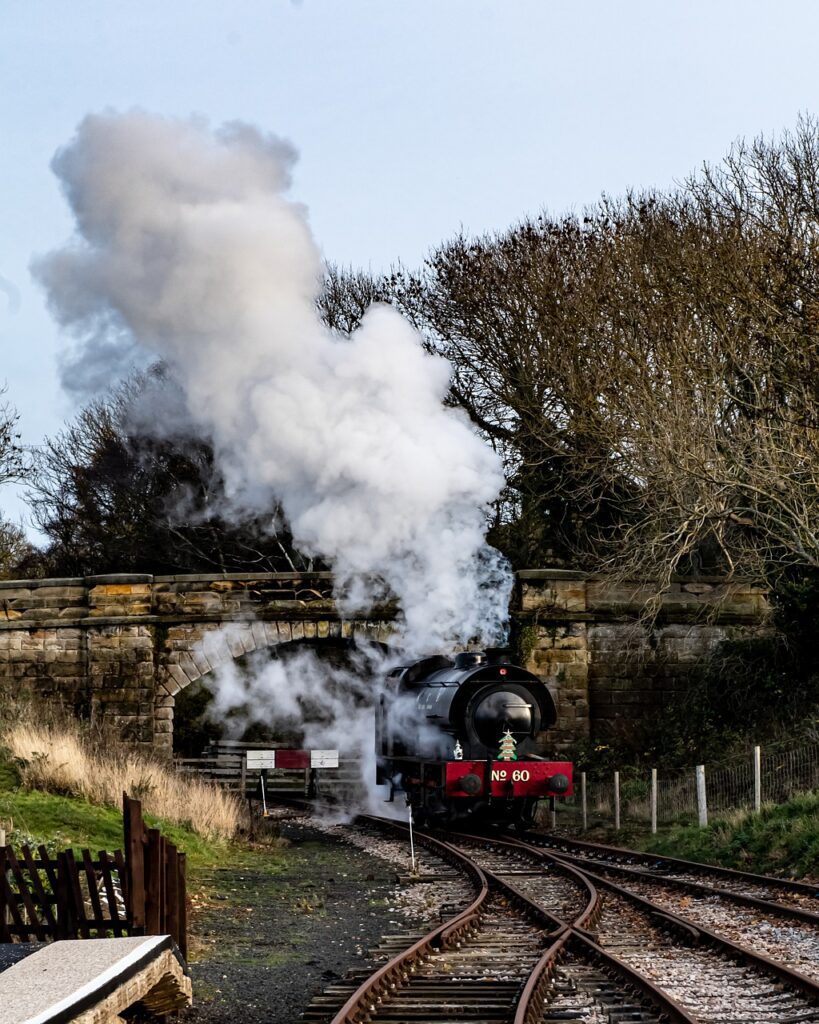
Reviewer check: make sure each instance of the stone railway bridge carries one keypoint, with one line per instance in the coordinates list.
(119, 648)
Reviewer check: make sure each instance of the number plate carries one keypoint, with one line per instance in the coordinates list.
(509, 778)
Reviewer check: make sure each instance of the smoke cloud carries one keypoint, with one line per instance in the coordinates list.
(188, 248)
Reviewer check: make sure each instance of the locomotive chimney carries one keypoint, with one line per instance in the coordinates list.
(498, 656)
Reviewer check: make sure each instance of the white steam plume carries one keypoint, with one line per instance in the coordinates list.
(187, 248)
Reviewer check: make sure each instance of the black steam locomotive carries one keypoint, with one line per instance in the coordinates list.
(457, 736)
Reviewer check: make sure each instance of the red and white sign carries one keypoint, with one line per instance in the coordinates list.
(507, 778)
(258, 759)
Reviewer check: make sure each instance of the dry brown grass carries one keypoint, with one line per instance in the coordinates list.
(59, 757)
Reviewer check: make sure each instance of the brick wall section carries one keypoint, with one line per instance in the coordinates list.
(119, 648)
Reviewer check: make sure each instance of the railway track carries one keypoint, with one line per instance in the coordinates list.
(752, 974)
(786, 892)
(504, 956)
(533, 933)
(740, 910)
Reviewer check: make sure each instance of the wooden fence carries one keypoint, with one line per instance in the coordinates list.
(138, 892)
(224, 763)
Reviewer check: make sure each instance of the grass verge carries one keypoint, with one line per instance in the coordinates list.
(62, 822)
(60, 757)
(783, 839)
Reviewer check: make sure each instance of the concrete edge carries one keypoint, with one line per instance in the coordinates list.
(104, 984)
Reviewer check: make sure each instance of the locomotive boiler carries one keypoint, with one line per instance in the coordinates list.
(457, 736)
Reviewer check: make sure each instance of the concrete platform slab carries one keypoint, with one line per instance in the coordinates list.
(91, 981)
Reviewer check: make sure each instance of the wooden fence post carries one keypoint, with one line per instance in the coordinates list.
(154, 877)
(134, 829)
(583, 804)
(66, 923)
(182, 889)
(653, 801)
(757, 779)
(617, 801)
(156, 882)
(172, 891)
(702, 802)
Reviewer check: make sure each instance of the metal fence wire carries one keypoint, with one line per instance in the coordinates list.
(739, 785)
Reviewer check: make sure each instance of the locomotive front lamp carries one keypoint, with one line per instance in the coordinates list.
(471, 784)
(558, 783)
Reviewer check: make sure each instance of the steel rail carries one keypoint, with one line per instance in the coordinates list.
(795, 980)
(590, 913)
(772, 907)
(695, 867)
(532, 999)
(669, 1009)
(571, 933)
(396, 971)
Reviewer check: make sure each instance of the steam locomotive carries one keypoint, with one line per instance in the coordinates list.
(457, 736)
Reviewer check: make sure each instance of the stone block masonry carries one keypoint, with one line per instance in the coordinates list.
(609, 670)
(118, 648)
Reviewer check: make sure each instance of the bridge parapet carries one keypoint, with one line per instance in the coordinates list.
(150, 598)
(119, 648)
(612, 668)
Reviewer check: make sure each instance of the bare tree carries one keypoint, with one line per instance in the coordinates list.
(11, 453)
(650, 371)
(709, 380)
(347, 295)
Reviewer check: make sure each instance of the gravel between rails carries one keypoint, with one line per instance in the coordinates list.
(795, 945)
(546, 886)
(714, 988)
(773, 893)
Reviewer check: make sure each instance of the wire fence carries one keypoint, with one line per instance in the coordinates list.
(689, 795)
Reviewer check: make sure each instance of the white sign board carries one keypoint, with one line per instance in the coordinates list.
(324, 759)
(258, 759)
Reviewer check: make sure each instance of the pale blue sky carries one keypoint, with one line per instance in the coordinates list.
(413, 117)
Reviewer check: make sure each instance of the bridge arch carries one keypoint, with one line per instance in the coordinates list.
(196, 650)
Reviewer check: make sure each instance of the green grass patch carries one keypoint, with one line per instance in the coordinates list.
(9, 775)
(62, 822)
(783, 839)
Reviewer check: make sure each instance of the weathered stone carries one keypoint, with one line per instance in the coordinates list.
(248, 640)
(189, 666)
(200, 604)
(259, 635)
(603, 664)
